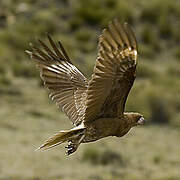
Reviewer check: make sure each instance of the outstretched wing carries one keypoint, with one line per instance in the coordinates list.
(114, 72)
(67, 85)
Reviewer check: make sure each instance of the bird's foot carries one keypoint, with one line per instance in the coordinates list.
(74, 144)
(71, 147)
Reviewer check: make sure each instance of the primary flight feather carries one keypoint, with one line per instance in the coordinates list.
(95, 106)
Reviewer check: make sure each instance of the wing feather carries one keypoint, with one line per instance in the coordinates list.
(114, 72)
(65, 82)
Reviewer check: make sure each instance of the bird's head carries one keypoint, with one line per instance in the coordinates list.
(135, 118)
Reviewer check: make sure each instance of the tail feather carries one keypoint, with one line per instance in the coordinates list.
(61, 137)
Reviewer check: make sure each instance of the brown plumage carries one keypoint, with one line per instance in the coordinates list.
(95, 106)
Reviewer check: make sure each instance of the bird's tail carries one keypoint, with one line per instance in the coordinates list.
(62, 137)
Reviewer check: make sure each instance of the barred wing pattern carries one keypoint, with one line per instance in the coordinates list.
(114, 72)
(67, 85)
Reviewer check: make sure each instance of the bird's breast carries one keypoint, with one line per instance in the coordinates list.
(100, 128)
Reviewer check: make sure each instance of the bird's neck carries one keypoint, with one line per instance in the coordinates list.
(124, 126)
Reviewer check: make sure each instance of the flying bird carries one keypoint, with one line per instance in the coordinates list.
(96, 106)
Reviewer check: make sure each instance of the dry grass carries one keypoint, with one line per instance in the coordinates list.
(149, 152)
(28, 117)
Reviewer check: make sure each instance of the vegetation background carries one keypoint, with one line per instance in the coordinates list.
(28, 117)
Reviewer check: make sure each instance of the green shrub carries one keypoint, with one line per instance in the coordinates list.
(105, 157)
(75, 23)
(149, 36)
(10, 91)
(176, 34)
(123, 12)
(149, 14)
(157, 159)
(83, 35)
(2, 70)
(146, 51)
(177, 53)
(110, 157)
(111, 4)
(165, 27)
(23, 69)
(174, 69)
(91, 155)
(4, 80)
(159, 110)
(93, 13)
(145, 70)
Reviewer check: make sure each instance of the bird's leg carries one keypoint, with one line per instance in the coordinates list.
(73, 145)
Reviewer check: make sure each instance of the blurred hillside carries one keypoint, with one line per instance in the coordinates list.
(26, 110)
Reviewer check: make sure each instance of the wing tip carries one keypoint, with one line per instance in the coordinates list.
(49, 37)
(131, 35)
(37, 149)
(43, 147)
(28, 52)
(127, 33)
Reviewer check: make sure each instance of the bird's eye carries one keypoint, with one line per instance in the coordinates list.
(140, 117)
(141, 120)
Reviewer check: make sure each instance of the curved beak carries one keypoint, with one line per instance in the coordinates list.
(141, 121)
